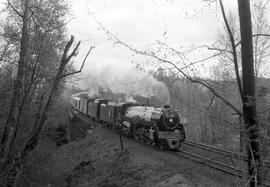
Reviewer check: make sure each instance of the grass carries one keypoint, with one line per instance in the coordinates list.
(113, 171)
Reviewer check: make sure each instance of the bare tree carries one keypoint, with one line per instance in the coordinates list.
(165, 56)
(42, 69)
(41, 116)
(11, 125)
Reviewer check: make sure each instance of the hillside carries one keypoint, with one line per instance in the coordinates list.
(95, 158)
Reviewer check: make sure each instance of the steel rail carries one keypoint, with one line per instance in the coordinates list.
(216, 165)
(211, 163)
(180, 153)
(221, 151)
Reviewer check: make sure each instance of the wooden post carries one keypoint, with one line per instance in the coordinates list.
(120, 135)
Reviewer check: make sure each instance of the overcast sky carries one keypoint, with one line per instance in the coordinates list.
(141, 22)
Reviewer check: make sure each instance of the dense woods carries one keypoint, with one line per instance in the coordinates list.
(35, 56)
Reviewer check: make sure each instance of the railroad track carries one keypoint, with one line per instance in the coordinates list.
(212, 164)
(235, 172)
(217, 165)
(236, 160)
(222, 152)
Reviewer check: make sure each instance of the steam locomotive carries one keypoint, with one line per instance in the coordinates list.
(161, 127)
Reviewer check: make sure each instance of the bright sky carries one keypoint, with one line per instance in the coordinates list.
(141, 22)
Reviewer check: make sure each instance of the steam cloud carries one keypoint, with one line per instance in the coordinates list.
(126, 80)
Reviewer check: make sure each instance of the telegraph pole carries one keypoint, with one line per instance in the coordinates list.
(249, 104)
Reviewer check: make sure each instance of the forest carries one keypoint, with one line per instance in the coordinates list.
(39, 71)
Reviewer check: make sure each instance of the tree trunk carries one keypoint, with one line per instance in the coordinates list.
(11, 124)
(249, 105)
(32, 142)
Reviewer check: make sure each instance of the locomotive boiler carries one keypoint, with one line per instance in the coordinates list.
(157, 126)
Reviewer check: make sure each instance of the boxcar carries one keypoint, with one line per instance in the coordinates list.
(94, 108)
(76, 102)
(108, 112)
(83, 104)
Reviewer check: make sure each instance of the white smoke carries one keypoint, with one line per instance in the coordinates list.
(129, 98)
(126, 80)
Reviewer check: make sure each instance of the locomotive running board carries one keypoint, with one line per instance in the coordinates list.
(169, 135)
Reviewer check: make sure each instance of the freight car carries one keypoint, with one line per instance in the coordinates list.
(157, 126)
(94, 108)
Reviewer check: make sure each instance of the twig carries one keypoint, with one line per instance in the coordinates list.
(14, 9)
(235, 61)
(211, 102)
(254, 35)
(153, 55)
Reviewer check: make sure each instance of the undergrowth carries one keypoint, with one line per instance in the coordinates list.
(112, 171)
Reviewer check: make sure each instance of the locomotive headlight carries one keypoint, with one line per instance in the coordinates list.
(171, 120)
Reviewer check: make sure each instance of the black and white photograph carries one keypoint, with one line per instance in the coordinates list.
(134, 93)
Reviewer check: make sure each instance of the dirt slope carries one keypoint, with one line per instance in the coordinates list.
(96, 159)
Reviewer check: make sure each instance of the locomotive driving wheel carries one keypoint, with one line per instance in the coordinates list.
(135, 134)
(161, 146)
(132, 130)
(147, 140)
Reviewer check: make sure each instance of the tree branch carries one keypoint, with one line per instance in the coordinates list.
(195, 62)
(152, 54)
(211, 102)
(73, 52)
(14, 9)
(72, 73)
(254, 35)
(235, 61)
(68, 45)
(217, 49)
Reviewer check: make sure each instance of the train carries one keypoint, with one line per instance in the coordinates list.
(158, 126)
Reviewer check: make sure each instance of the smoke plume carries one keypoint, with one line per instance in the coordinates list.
(126, 80)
